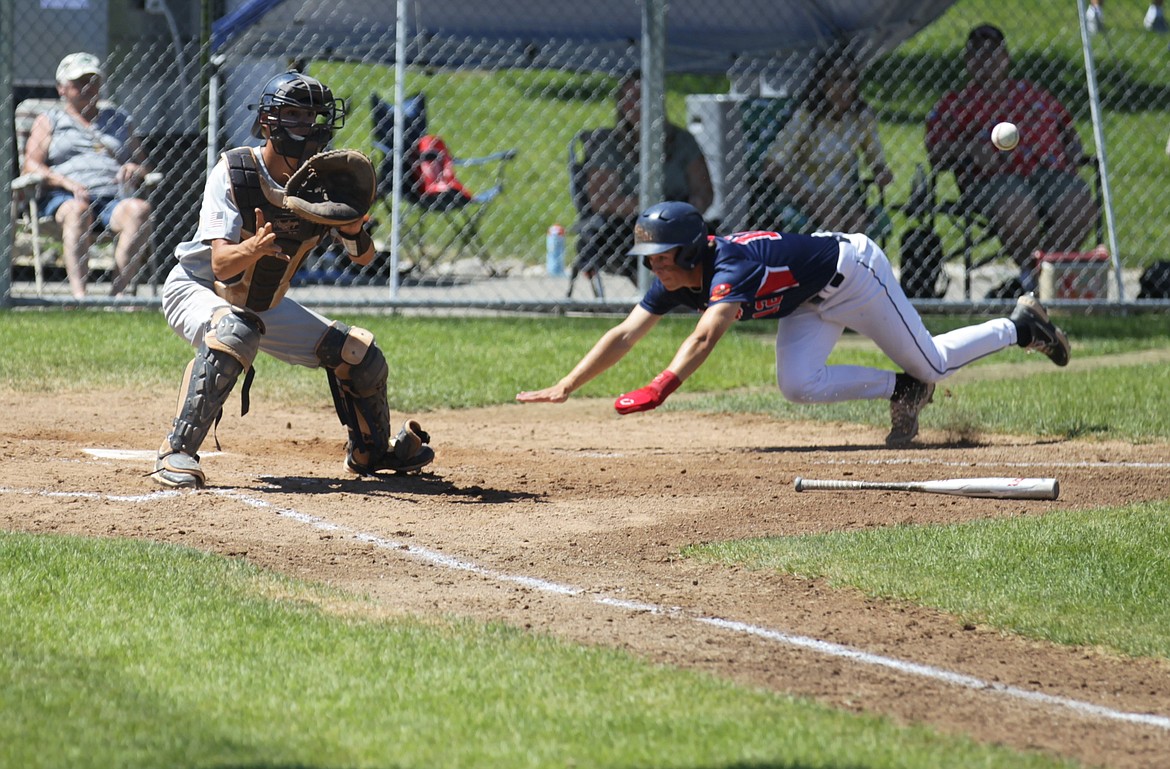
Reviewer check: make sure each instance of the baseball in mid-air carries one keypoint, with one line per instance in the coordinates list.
(1005, 136)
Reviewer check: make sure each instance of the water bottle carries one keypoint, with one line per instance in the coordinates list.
(555, 251)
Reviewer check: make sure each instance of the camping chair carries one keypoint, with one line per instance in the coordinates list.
(588, 222)
(943, 230)
(601, 243)
(37, 241)
(444, 209)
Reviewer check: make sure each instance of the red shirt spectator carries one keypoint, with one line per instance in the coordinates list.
(1032, 196)
(967, 117)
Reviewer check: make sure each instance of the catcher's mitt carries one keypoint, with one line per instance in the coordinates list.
(333, 188)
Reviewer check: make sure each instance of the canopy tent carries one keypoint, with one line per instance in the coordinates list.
(701, 35)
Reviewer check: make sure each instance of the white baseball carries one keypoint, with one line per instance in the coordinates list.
(1005, 136)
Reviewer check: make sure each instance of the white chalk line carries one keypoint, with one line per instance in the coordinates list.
(442, 560)
(436, 558)
(151, 497)
(945, 463)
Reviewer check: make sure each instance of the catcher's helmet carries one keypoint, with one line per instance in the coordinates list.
(293, 89)
(668, 225)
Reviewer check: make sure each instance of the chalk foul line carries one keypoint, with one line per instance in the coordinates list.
(442, 560)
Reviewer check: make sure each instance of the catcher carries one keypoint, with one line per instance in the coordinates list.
(263, 211)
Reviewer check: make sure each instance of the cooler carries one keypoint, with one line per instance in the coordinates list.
(1074, 274)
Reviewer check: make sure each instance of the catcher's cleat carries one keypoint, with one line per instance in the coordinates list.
(908, 401)
(409, 452)
(179, 471)
(410, 440)
(1037, 332)
(392, 462)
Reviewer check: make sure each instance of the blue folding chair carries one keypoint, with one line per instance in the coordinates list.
(445, 215)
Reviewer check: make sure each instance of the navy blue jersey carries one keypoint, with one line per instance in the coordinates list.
(769, 273)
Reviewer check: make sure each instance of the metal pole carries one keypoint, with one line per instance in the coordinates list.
(1099, 141)
(8, 142)
(653, 130)
(399, 141)
(213, 110)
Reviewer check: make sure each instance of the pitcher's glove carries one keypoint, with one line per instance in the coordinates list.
(333, 188)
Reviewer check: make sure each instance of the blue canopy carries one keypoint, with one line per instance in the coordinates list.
(602, 35)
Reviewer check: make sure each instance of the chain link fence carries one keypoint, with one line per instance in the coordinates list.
(520, 161)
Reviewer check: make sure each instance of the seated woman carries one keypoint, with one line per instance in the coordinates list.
(816, 157)
(93, 164)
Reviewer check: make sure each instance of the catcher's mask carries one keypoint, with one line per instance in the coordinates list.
(668, 225)
(300, 113)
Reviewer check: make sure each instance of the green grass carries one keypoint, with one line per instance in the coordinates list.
(1125, 405)
(1098, 577)
(457, 363)
(121, 653)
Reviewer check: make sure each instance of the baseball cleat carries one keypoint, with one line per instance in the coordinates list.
(1047, 337)
(904, 411)
(410, 440)
(392, 462)
(179, 471)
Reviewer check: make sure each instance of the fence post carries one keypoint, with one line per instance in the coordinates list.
(7, 140)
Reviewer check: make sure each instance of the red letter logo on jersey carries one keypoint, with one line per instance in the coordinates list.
(720, 291)
(776, 279)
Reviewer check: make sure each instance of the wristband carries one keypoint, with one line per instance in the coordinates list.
(358, 245)
(649, 397)
(665, 383)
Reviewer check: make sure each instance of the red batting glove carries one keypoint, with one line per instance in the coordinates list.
(649, 397)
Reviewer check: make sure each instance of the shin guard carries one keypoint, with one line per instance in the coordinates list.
(357, 378)
(229, 347)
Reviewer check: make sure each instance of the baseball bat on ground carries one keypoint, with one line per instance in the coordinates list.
(994, 488)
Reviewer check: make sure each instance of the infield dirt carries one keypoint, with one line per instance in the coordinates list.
(573, 495)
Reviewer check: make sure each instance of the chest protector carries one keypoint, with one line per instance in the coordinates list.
(264, 283)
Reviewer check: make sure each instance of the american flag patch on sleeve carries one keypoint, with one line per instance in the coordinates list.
(214, 224)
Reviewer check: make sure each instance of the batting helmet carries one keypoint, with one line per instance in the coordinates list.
(293, 89)
(668, 225)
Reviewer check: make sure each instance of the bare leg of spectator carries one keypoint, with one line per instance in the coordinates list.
(76, 235)
(131, 222)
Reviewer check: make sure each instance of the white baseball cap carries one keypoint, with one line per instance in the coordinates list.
(78, 65)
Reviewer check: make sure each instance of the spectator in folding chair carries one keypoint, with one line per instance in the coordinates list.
(1032, 195)
(92, 164)
(816, 158)
(611, 183)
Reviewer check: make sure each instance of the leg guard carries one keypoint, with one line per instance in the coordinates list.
(229, 347)
(357, 378)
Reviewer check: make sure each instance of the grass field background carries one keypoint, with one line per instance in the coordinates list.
(121, 653)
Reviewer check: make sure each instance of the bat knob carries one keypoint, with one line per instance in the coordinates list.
(799, 483)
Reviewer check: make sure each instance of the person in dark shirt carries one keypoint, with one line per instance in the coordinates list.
(815, 286)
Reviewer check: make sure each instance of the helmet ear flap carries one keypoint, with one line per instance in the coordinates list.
(690, 255)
